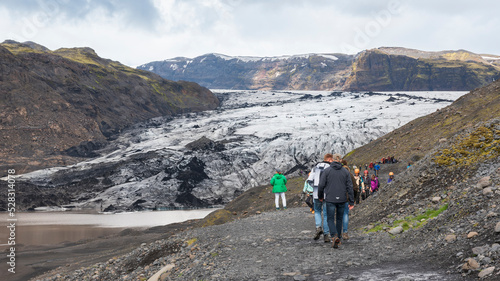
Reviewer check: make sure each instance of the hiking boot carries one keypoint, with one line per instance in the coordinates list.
(277, 209)
(345, 236)
(336, 243)
(319, 231)
(284, 208)
(327, 238)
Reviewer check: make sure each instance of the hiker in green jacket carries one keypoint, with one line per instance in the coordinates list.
(279, 188)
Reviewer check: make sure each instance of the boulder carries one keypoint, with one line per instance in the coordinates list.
(480, 250)
(471, 264)
(487, 191)
(472, 234)
(450, 238)
(396, 230)
(483, 182)
(495, 247)
(486, 272)
(491, 214)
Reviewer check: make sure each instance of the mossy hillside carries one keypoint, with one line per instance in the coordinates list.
(480, 145)
(17, 48)
(408, 222)
(72, 95)
(415, 139)
(180, 98)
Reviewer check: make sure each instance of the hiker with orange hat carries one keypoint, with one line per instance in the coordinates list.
(358, 181)
(391, 178)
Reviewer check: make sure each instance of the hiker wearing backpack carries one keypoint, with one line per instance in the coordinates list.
(319, 206)
(308, 190)
(335, 186)
(375, 184)
(365, 193)
(376, 168)
(279, 188)
(358, 180)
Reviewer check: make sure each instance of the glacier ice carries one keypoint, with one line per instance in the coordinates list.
(244, 140)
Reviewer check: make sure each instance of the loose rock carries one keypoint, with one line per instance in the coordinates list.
(483, 182)
(450, 238)
(472, 234)
(497, 227)
(486, 272)
(471, 264)
(436, 199)
(396, 230)
(480, 250)
(487, 191)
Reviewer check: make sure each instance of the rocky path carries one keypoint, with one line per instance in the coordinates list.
(275, 245)
(279, 246)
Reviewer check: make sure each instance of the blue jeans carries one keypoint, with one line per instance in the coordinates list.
(320, 207)
(335, 213)
(345, 220)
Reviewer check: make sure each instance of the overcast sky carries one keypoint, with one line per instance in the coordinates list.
(139, 31)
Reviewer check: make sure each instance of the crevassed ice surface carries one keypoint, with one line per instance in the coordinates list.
(262, 130)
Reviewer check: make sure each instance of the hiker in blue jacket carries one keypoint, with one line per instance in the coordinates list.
(335, 186)
(376, 168)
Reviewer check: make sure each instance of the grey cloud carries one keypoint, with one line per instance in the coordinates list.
(140, 14)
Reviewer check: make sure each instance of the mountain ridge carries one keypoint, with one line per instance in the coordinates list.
(369, 70)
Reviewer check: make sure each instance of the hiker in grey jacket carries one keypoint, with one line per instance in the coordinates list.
(335, 186)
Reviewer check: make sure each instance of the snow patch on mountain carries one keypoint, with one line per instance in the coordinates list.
(329, 57)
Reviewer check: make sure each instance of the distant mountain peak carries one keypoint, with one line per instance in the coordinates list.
(384, 68)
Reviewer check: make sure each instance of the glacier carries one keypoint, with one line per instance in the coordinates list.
(208, 158)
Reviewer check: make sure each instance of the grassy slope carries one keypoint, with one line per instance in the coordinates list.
(105, 69)
(413, 140)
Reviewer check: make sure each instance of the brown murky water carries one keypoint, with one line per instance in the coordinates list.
(49, 228)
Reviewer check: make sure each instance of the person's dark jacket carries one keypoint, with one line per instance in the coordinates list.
(335, 183)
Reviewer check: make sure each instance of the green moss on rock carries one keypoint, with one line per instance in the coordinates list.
(480, 145)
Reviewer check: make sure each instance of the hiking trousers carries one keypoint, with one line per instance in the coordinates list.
(335, 214)
(277, 199)
(320, 208)
(345, 219)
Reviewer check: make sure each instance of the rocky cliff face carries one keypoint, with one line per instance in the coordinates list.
(58, 106)
(215, 71)
(383, 69)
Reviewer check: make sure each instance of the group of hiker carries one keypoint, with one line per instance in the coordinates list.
(331, 191)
